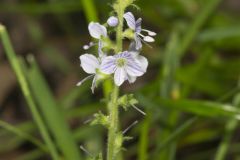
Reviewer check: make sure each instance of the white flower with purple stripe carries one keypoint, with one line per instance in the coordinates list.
(125, 66)
(136, 26)
(90, 65)
(97, 31)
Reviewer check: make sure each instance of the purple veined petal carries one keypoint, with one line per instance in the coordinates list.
(120, 76)
(138, 25)
(96, 30)
(108, 65)
(131, 79)
(132, 46)
(83, 80)
(138, 42)
(129, 17)
(134, 69)
(100, 46)
(143, 62)
(112, 21)
(134, 54)
(89, 63)
(94, 83)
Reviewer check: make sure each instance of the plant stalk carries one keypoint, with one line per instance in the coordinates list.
(113, 104)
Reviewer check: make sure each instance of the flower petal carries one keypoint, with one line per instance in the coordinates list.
(134, 54)
(100, 52)
(120, 76)
(143, 62)
(138, 25)
(89, 63)
(108, 65)
(131, 79)
(96, 30)
(134, 69)
(129, 17)
(138, 42)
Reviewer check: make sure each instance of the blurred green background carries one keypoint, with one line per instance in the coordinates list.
(191, 91)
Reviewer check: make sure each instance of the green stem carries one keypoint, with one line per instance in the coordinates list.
(113, 105)
(120, 11)
(113, 128)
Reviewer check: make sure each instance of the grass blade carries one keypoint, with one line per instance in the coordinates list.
(178, 132)
(52, 113)
(203, 108)
(196, 25)
(23, 135)
(90, 11)
(26, 91)
(229, 129)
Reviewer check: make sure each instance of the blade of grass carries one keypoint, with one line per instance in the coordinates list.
(196, 25)
(23, 135)
(143, 144)
(31, 155)
(169, 89)
(177, 133)
(229, 129)
(197, 107)
(203, 108)
(41, 8)
(52, 112)
(89, 10)
(26, 91)
(219, 34)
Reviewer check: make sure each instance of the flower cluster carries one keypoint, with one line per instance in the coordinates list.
(126, 65)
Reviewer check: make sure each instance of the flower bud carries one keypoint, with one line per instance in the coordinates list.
(112, 21)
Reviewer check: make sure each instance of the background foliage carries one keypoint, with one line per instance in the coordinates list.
(191, 91)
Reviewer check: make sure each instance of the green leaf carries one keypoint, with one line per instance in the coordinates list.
(100, 118)
(52, 112)
(203, 108)
(20, 74)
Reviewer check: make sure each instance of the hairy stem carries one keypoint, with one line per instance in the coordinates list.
(113, 129)
(113, 104)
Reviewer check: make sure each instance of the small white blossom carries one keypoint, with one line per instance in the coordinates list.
(90, 65)
(112, 21)
(136, 27)
(97, 31)
(125, 66)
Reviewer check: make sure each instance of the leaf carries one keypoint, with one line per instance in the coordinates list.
(203, 108)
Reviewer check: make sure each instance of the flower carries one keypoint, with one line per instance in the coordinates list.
(97, 31)
(90, 65)
(112, 21)
(136, 27)
(125, 66)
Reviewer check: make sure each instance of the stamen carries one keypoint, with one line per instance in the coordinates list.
(129, 127)
(86, 78)
(139, 110)
(86, 151)
(121, 62)
(141, 35)
(86, 47)
(145, 42)
(88, 120)
(150, 33)
(148, 39)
